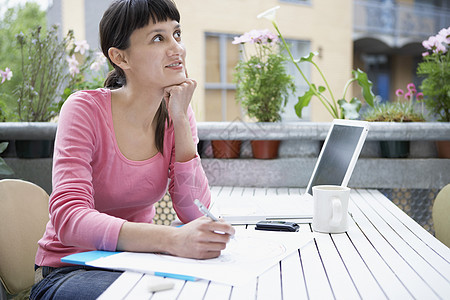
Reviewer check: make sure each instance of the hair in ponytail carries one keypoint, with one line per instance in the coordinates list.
(117, 24)
(115, 79)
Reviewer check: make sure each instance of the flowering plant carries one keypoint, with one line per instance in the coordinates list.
(263, 85)
(339, 109)
(51, 72)
(4, 75)
(436, 68)
(402, 110)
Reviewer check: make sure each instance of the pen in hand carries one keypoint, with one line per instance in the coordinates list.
(204, 210)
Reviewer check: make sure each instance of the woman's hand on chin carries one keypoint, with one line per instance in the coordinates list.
(178, 97)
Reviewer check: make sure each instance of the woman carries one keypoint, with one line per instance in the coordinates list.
(115, 151)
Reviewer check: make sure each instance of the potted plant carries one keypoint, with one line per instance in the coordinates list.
(435, 67)
(338, 108)
(263, 85)
(402, 110)
(50, 72)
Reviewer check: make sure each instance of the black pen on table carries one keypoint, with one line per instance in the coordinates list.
(203, 209)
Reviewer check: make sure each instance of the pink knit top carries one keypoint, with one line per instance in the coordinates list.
(96, 188)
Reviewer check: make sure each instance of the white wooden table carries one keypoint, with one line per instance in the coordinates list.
(384, 255)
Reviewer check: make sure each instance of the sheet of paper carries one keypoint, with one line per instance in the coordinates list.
(247, 256)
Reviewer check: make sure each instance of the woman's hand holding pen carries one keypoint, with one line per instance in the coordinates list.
(201, 238)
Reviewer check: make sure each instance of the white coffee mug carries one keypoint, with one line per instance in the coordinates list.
(330, 208)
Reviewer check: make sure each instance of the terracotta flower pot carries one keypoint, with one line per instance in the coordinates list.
(443, 149)
(265, 149)
(226, 148)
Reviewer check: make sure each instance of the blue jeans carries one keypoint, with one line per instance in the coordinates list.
(77, 282)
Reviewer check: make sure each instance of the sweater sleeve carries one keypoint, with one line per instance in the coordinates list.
(72, 209)
(188, 182)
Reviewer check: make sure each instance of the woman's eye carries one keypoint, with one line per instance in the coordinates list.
(157, 38)
(177, 34)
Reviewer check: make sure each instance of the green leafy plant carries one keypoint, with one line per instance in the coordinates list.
(20, 17)
(263, 85)
(51, 72)
(44, 70)
(338, 108)
(402, 110)
(5, 170)
(436, 70)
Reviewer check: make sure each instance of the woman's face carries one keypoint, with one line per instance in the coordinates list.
(156, 55)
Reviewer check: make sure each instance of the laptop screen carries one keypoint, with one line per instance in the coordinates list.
(336, 156)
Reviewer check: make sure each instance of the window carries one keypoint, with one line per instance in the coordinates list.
(298, 49)
(221, 58)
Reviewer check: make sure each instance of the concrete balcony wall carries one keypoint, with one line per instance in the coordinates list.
(301, 142)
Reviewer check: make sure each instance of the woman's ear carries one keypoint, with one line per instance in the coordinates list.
(117, 56)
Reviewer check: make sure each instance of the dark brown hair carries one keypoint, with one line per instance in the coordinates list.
(117, 24)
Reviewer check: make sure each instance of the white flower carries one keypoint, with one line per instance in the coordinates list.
(81, 47)
(9, 73)
(100, 60)
(6, 75)
(73, 65)
(269, 14)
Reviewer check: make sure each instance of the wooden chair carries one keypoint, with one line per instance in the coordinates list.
(441, 215)
(23, 217)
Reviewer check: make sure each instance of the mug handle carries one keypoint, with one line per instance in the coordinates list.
(337, 211)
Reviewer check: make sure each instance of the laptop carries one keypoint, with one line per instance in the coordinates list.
(335, 165)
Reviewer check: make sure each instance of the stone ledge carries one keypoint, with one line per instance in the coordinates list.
(428, 131)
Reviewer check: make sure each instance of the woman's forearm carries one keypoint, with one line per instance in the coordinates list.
(184, 144)
(143, 237)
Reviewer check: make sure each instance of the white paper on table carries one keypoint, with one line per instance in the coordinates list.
(247, 256)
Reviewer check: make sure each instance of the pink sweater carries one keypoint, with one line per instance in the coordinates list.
(96, 188)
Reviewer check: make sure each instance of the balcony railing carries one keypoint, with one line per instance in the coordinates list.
(399, 20)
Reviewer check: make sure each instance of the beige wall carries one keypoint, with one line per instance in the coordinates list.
(401, 73)
(73, 18)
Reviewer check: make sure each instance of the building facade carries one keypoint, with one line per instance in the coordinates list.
(382, 37)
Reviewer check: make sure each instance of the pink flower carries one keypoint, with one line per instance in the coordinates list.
(256, 37)
(411, 86)
(399, 92)
(428, 44)
(6, 75)
(419, 96)
(435, 44)
(445, 34)
(240, 39)
(425, 54)
(408, 96)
